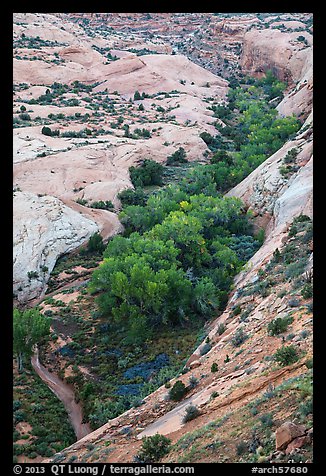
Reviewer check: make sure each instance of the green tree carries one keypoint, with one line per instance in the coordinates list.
(29, 328)
(149, 173)
(141, 283)
(178, 391)
(95, 243)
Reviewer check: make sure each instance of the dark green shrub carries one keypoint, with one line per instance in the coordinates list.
(47, 131)
(279, 325)
(19, 415)
(286, 355)
(32, 275)
(81, 201)
(266, 420)
(102, 205)
(178, 391)
(132, 197)
(142, 132)
(149, 173)
(236, 311)
(178, 157)
(307, 291)
(214, 367)
(24, 116)
(153, 448)
(242, 447)
(306, 408)
(96, 243)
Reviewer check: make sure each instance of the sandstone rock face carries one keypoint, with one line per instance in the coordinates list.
(282, 53)
(44, 229)
(287, 432)
(154, 73)
(278, 51)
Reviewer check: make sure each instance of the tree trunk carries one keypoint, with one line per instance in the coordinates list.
(20, 363)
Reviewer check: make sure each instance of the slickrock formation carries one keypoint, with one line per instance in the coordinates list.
(287, 59)
(97, 169)
(44, 228)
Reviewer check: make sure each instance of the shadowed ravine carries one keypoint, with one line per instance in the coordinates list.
(66, 394)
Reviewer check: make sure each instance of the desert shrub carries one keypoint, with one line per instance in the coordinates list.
(16, 404)
(279, 325)
(153, 448)
(239, 337)
(286, 355)
(149, 173)
(241, 448)
(309, 363)
(191, 413)
(221, 328)
(192, 382)
(236, 311)
(81, 201)
(95, 243)
(102, 205)
(19, 415)
(293, 302)
(266, 420)
(47, 131)
(132, 197)
(32, 275)
(296, 268)
(178, 157)
(24, 116)
(178, 391)
(303, 40)
(307, 291)
(214, 367)
(306, 408)
(142, 132)
(291, 156)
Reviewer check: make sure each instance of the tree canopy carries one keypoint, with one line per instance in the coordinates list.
(29, 327)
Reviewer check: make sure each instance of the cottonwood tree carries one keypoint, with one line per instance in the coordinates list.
(29, 327)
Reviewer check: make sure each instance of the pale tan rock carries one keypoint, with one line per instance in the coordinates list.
(44, 229)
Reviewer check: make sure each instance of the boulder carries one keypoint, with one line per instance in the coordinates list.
(286, 433)
(195, 364)
(297, 443)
